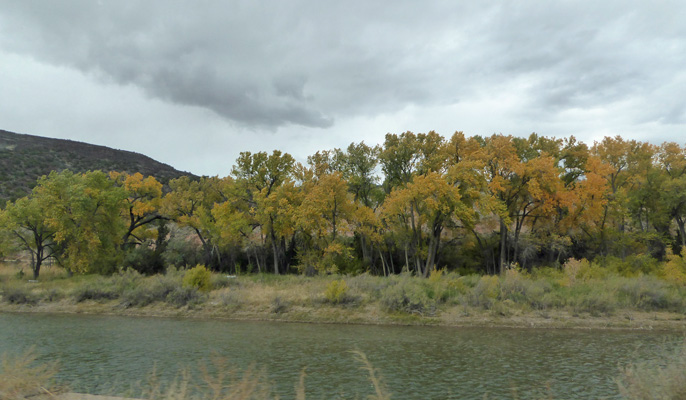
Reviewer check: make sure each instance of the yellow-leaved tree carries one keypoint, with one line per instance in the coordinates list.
(420, 211)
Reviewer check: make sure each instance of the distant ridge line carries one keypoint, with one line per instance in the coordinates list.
(24, 158)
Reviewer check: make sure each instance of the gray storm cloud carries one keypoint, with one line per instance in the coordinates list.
(308, 63)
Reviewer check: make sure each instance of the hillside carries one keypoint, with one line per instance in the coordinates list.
(25, 158)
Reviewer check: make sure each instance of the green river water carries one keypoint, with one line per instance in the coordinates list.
(105, 355)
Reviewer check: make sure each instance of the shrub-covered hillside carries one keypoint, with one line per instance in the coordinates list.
(25, 158)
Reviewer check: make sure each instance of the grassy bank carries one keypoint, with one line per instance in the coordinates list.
(548, 298)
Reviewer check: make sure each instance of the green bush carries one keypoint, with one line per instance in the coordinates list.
(631, 266)
(524, 289)
(650, 293)
(144, 260)
(53, 295)
(336, 291)
(151, 290)
(595, 302)
(126, 280)
(19, 295)
(98, 289)
(486, 292)
(184, 296)
(199, 278)
(408, 296)
(219, 281)
(181, 252)
(279, 305)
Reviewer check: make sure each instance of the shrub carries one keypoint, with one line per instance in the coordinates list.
(19, 295)
(407, 296)
(180, 251)
(144, 260)
(199, 278)
(631, 266)
(596, 303)
(486, 291)
(649, 293)
(126, 280)
(470, 281)
(365, 283)
(335, 258)
(154, 289)
(436, 275)
(336, 291)
(219, 281)
(674, 270)
(230, 299)
(444, 286)
(98, 289)
(457, 286)
(279, 305)
(183, 296)
(572, 269)
(53, 295)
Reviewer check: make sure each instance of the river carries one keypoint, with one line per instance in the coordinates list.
(106, 354)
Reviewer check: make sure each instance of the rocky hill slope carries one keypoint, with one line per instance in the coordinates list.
(25, 158)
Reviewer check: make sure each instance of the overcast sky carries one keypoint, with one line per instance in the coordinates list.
(192, 84)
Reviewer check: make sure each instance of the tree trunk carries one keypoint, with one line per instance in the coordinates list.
(680, 223)
(276, 257)
(383, 264)
(257, 260)
(38, 262)
(503, 246)
(434, 241)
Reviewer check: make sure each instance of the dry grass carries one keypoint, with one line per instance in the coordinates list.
(11, 270)
(380, 390)
(21, 377)
(221, 381)
(661, 379)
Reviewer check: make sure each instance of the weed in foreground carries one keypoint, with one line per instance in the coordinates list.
(221, 381)
(21, 377)
(664, 378)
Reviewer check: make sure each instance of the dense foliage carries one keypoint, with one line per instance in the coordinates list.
(419, 202)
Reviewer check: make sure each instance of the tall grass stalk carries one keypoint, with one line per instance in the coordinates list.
(663, 379)
(21, 377)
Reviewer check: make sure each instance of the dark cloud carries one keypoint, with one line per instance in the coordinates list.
(314, 64)
(269, 65)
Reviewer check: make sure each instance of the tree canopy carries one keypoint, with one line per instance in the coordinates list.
(418, 202)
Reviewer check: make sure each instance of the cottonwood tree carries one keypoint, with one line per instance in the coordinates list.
(84, 210)
(25, 223)
(325, 216)
(144, 197)
(260, 176)
(422, 209)
(190, 204)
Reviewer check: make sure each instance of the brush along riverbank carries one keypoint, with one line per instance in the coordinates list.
(546, 299)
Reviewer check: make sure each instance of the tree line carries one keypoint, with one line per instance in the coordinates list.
(417, 202)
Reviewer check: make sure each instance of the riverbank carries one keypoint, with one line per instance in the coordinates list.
(451, 317)
(518, 300)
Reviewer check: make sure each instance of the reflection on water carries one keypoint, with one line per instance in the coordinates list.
(96, 352)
